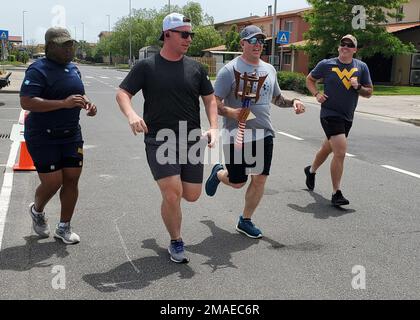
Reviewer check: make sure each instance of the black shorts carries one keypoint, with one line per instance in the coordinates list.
(334, 126)
(251, 159)
(52, 157)
(171, 159)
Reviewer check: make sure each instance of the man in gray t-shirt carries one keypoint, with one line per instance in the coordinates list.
(259, 131)
(345, 78)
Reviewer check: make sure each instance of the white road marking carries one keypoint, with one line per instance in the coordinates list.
(402, 171)
(290, 136)
(89, 77)
(123, 244)
(350, 155)
(6, 189)
(102, 77)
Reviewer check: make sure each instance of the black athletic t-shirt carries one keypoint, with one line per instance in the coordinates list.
(171, 91)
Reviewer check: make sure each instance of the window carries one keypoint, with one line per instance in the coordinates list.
(400, 10)
(288, 26)
(287, 58)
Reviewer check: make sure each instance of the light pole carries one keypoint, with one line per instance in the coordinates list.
(273, 37)
(169, 5)
(83, 31)
(23, 27)
(109, 34)
(129, 62)
(75, 34)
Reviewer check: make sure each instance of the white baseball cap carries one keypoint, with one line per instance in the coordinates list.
(174, 20)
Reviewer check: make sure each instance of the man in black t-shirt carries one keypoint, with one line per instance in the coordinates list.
(172, 84)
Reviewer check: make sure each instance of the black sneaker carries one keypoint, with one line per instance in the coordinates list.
(310, 178)
(338, 199)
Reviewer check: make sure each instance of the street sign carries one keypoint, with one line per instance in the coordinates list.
(283, 37)
(4, 34)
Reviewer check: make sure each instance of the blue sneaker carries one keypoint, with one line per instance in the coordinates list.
(249, 229)
(212, 182)
(176, 251)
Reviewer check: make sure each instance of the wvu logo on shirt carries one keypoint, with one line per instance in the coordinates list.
(345, 75)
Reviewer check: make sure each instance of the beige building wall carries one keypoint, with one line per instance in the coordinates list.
(411, 12)
(401, 70)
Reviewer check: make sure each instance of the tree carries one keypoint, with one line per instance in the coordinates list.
(205, 37)
(330, 20)
(146, 27)
(232, 39)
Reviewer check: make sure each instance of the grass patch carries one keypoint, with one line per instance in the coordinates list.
(395, 90)
(380, 90)
(12, 63)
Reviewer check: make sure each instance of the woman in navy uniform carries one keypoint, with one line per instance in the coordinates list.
(54, 94)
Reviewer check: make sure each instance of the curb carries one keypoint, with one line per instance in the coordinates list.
(9, 91)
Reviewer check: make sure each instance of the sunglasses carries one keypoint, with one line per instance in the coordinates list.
(347, 44)
(184, 34)
(254, 41)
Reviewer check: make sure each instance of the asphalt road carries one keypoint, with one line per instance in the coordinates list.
(309, 249)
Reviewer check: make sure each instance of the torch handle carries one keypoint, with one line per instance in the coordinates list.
(242, 123)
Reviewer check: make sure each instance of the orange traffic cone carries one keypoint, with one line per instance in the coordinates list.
(25, 162)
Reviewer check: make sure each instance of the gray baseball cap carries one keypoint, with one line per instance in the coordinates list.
(251, 31)
(58, 35)
(351, 38)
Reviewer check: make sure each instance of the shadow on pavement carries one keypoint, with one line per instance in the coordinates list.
(218, 247)
(321, 208)
(139, 273)
(31, 255)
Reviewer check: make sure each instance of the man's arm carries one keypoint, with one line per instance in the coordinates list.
(136, 123)
(311, 85)
(366, 91)
(283, 102)
(211, 111)
(226, 111)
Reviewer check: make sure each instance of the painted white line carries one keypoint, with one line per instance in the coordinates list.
(350, 155)
(119, 78)
(123, 244)
(290, 136)
(402, 171)
(10, 108)
(12, 120)
(6, 189)
(89, 77)
(104, 77)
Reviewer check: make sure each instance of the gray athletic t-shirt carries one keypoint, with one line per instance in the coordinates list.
(225, 88)
(342, 98)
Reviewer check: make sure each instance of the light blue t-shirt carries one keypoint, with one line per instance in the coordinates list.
(342, 98)
(225, 88)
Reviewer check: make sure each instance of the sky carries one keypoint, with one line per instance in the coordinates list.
(89, 17)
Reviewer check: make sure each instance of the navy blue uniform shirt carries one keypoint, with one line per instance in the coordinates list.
(52, 81)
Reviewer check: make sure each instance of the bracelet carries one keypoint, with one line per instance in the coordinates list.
(316, 93)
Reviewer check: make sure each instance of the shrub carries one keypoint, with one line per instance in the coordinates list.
(292, 81)
(206, 67)
(12, 58)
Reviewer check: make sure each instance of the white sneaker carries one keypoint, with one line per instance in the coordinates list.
(66, 234)
(39, 222)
